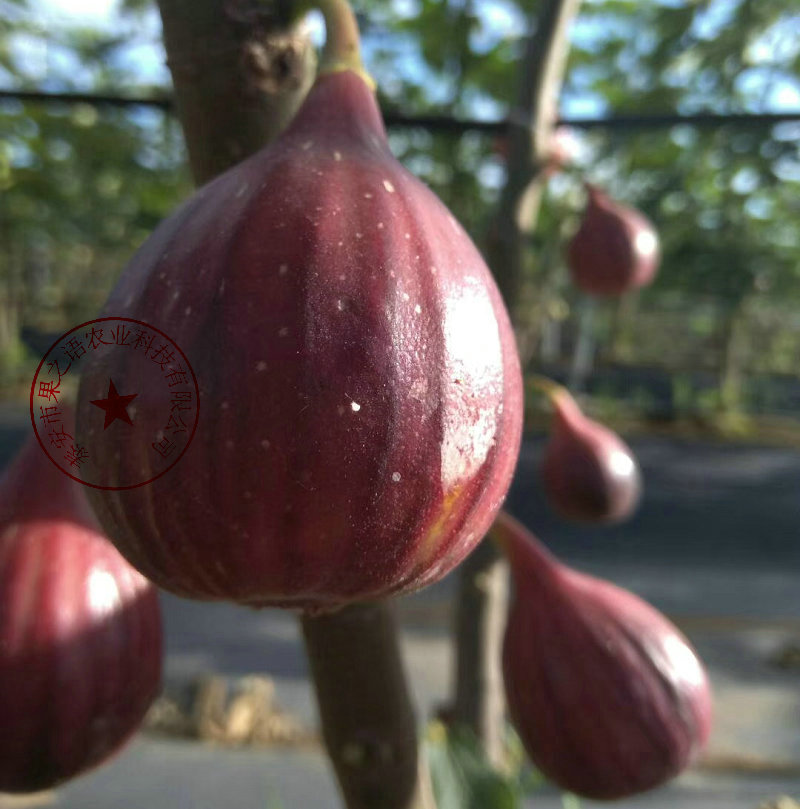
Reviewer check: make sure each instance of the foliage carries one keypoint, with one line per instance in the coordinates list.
(82, 187)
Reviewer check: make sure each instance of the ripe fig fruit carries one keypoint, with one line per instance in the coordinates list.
(589, 473)
(615, 249)
(360, 386)
(80, 632)
(608, 697)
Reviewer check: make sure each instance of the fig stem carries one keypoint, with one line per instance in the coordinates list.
(342, 49)
(509, 534)
(549, 388)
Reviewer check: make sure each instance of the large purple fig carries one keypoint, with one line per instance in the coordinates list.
(359, 382)
(80, 632)
(589, 473)
(608, 697)
(615, 249)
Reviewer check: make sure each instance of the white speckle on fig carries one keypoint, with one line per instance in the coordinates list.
(342, 277)
(337, 156)
(380, 225)
(434, 270)
(355, 407)
(396, 477)
(358, 235)
(388, 186)
(340, 244)
(242, 188)
(187, 310)
(224, 406)
(418, 309)
(406, 296)
(408, 235)
(283, 269)
(162, 275)
(307, 145)
(340, 305)
(283, 331)
(261, 366)
(265, 444)
(367, 195)
(222, 287)
(129, 301)
(340, 410)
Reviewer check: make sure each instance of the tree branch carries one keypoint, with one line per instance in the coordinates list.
(368, 722)
(239, 76)
(483, 586)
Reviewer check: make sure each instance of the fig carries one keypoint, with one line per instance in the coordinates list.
(615, 249)
(360, 389)
(80, 632)
(608, 697)
(589, 473)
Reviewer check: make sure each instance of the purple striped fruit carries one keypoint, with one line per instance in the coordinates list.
(589, 473)
(80, 632)
(615, 249)
(360, 390)
(608, 697)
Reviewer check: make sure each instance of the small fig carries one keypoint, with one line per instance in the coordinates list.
(589, 473)
(360, 385)
(615, 249)
(80, 632)
(608, 697)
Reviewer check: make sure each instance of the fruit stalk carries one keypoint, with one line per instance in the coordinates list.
(217, 141)
(342, 49)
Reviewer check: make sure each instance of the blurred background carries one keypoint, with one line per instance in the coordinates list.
(715, 340)
(686, 109)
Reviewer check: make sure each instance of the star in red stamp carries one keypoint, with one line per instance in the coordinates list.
(141, 403)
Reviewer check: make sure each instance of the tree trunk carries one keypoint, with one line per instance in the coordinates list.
(367, 718)
(732, 365)
(238, 79)
(480, 613)
(239, 76)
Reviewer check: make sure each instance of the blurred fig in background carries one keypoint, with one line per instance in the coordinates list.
(608, 697)
(615, 249)
(589, 473)
(80, 632)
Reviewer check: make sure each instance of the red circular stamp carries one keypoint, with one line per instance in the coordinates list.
(143, 402)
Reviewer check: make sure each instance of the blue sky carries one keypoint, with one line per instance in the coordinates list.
(143, 59)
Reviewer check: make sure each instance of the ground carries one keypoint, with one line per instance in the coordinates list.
(714, 545)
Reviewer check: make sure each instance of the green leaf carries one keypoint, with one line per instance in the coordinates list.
(462, 777)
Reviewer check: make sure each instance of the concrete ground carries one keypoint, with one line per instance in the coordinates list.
(714, 545)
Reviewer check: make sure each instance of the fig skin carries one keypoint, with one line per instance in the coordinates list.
(80, 632)
(360, 389)
(615, 249)
(589, 473)
(609, 698)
